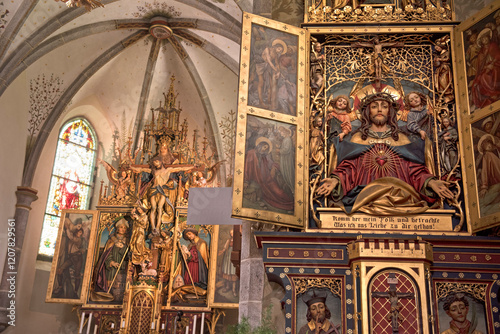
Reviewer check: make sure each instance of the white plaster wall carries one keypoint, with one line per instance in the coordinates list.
(33, 278)
(13, 131)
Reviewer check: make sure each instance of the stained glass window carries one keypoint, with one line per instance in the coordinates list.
(71, 183)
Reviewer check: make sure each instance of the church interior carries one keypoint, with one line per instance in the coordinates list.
(294, 166)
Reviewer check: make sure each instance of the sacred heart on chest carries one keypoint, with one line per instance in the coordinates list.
(381, 159)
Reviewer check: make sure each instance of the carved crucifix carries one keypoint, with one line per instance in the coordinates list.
(377, 66)
(393, 297)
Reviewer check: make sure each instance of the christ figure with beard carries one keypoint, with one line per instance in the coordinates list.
(380, 171)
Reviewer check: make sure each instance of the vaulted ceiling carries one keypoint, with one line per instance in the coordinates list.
(111, 59)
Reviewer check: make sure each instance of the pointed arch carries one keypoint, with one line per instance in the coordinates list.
(72, 178)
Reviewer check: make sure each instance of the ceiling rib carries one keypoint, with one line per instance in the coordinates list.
(203, 94)
(146, 87)
(8, 73)
(74, 87)
(42, 33)
(15, 24)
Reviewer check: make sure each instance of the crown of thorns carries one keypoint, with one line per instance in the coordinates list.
(376, 97)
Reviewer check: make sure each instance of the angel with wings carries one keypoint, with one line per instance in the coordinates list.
(121, 180)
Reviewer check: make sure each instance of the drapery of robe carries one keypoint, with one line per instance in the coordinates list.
(197, 264)
(490, 171)
(456, 328)
(393, 182)
(140, 252)
(326, 328)
(258, 169)
(485, 88)
(228, 269)
(105, 272)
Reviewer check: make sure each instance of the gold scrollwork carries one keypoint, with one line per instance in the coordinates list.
(477, 290)
(304, 284)
(108, 218)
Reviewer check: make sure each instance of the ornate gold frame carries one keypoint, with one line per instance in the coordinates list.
(445, 219)
(299, 215)
(215, 247)
(181, 214)
(475, 220)
(106, 217)
(85, 281)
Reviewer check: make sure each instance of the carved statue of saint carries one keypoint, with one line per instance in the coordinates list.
(140, 253)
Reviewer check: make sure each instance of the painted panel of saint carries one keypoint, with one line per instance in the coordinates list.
(68, 281)
(269, 179)
(273, 70)
(227, 283)
(318, 308)
(110, 271)
(459, 313)
(486, 139)
(482, 61)
(189, 279)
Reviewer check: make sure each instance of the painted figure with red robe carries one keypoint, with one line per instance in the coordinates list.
(485, 88)
(263, 182)
(196, 255)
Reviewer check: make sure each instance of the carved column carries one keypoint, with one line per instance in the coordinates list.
(25, 196)
(251, 278)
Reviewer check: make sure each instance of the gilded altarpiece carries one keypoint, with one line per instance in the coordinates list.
(402, 115)
(135, 265)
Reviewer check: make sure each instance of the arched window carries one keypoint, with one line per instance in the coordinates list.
(71, 183)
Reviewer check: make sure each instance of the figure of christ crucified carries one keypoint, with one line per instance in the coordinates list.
(393, 297)
(377, 66)
(159, 184)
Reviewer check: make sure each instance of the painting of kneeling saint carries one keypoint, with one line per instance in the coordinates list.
(461, 315)
(269, 181)
(318, 311)
(486, 139)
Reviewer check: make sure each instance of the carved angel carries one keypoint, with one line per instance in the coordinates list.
(121, 180)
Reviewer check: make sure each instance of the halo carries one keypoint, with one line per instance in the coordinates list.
(486, 121)
(482, 33)
(481, 140)
(287, 130)
(280, 42)
(264, 139)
